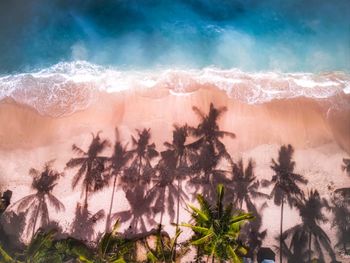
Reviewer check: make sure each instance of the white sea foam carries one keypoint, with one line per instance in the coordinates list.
(70, 86)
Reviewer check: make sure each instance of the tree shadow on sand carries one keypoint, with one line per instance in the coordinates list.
(135, 181)
(252, 232)
(346, 166)
(84, 222)
(308, 238)
(116, 167)
(5, 200)
(12, 226)
(210, 152)
(340, 206)
(172, 169)
(36, 205)
(285, 183)
(242, 189)
(91, 166)
(243, 186)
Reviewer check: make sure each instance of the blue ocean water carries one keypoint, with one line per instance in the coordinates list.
(252, 35)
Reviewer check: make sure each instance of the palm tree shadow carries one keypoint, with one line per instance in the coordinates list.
(36, 205)
(346, 166)
(297, 251)
(5, 200)
(84, 222)
(285, 181)
(210, 152)
(244, 186)
(242, 189)
(171, 169)
(117, 164)
(135, 181)
(308, 234)
(140, 212)
(91, 165)
(252, 232)
(12, 226)
(205, 174)
(340, 206)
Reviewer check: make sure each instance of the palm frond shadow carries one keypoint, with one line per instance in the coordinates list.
(91, 166)
(135, 180)
(116, 165)
(84, 222)
(340, 206)
(308, 238)
(346, 166)
(12, 226)
(209, 151)
(140, 212)
(252, 232)
(35, 206)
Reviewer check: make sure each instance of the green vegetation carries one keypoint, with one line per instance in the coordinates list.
(217, 228)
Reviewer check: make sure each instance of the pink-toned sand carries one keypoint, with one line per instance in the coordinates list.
(319, 133)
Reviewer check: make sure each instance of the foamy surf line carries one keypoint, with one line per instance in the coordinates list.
(71, 86)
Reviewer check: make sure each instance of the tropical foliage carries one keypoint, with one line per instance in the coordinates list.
(216, 229)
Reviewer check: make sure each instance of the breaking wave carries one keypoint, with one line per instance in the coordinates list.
(71, 86)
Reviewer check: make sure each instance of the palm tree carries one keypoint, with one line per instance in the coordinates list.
(346, 166)
(217, 228)
(310, 211)
(164, 249)
(36, 204)
(40, 250)
(118, 162)
(113, 247)
(46, 247)
(210, 150)
(244, 186)
(74, 250)
(285, 183)
(91, 164)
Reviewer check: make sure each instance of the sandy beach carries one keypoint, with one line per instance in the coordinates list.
(319, 133)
